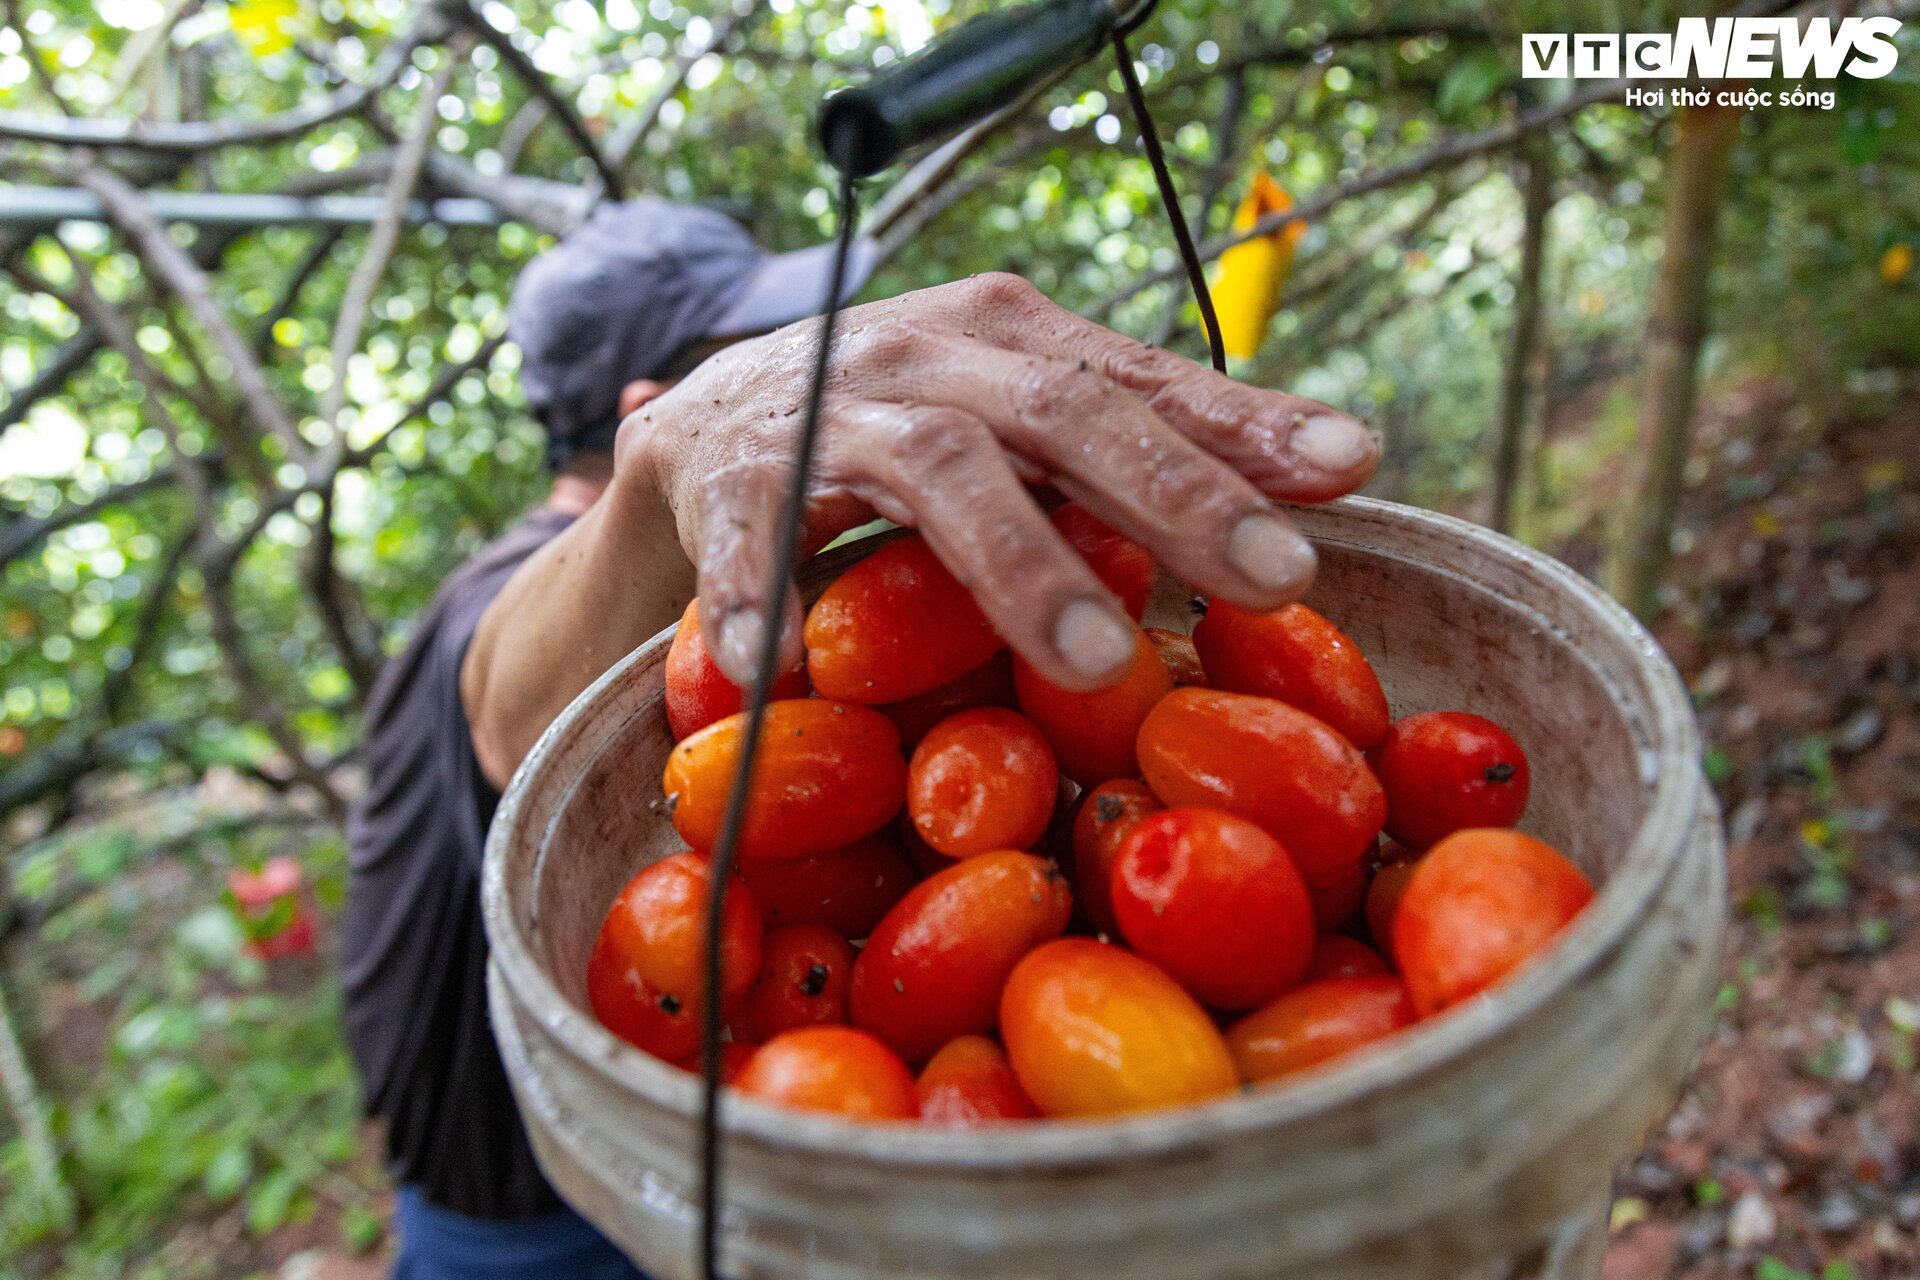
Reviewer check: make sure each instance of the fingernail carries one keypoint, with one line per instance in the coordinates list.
(1092, 640)
(1334, 442)
(1270, 553)
(741, 637)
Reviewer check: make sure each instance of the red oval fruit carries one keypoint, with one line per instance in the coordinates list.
(827, 773)
(1275, 766)
(1317, 1023)
(847, 890)
(1093, 1029)
(1182, 660)
(804, 974)
(1216, 902)
(988, 685)
(1338, 956)
(982, 780)
(646, 976)
(970, 1082)
(1125, 567)
(1297, 657)
(1106, 818)
(1092, 733)
(894, 626)
(835, 1069)
(934, 967)
(698, 692)
(1446, 771)
(1481, 904)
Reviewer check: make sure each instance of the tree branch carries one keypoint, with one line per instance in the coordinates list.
(1447, 152)
(193, 137)
(23, 532)
(384, 237)
(1297, 53)
(316, 257)
(332, 598)
(1524, 337)
(35, 66)
(30, 1117)
(75, 354)
(626, 141)
(545, 90)
(170, 263)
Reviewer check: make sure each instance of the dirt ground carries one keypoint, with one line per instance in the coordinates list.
(1796, 1150)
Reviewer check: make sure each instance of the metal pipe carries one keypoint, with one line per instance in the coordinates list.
(47, 206)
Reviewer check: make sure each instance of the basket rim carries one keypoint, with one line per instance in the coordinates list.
(1670, 755)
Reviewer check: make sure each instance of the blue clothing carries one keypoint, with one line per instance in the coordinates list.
(439, 1244)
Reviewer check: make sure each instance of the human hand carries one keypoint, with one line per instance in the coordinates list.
(941, 406)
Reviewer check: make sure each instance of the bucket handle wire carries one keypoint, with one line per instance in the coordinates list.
(725, 851)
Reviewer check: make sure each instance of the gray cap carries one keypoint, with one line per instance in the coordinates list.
(626, 294)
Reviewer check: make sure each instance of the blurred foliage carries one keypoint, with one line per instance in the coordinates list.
(217, 1088)
(200, 1085)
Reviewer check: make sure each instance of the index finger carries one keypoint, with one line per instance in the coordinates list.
(1289, 447)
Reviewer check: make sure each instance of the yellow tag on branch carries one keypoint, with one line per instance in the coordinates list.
(263, 27)
(1253, 275)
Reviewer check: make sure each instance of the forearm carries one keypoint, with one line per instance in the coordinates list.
(614, 578)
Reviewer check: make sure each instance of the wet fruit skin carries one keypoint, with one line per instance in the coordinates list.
(1095, 1030)
(1383, 901)
(1182, 660)
(1216, 902)
(1479, 905)
(988, 685)
(1297, 657)
(827, 774)
(1446, 771)
(835, 1069)
(697, 693)
(982, 780)
(970, 1082)
(847, 890)
(933, 969)
(1105, 818)
(1269, 763)
(894, 626)
(804, 974)
(1093, 733)
(1338, 956)
(1317, 1023)
(1124, 566)
(646, 975)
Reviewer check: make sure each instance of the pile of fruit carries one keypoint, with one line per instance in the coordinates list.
(968, 895)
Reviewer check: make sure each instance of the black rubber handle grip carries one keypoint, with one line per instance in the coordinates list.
(962, 77)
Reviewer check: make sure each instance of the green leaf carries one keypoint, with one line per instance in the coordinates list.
(228, 1171)
(270, 1202)
(361, 1229)
(1470, 83)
